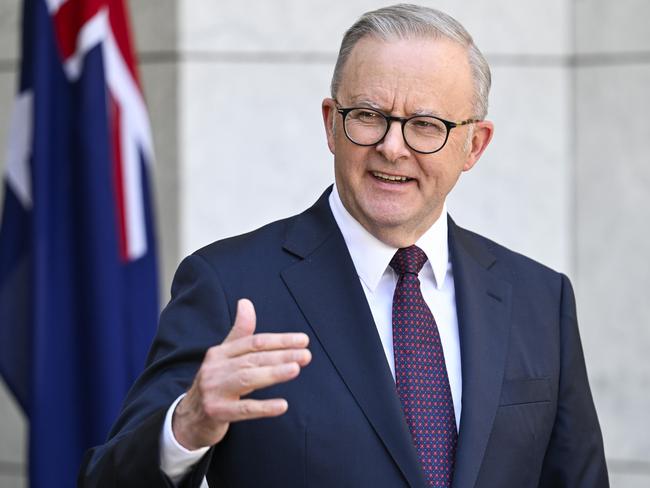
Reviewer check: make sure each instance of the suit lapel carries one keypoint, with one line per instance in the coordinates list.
(326, 287)
(483, 307)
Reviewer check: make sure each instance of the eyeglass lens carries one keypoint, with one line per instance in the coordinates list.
(367, 127)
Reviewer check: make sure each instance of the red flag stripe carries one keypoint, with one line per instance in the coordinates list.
(122, 34)
(118, 175)
(81, 25)
(71, 16)
(68, 21)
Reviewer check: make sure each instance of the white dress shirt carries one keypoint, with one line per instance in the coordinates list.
(371, 259)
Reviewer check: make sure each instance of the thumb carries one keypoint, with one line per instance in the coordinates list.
(244, 321)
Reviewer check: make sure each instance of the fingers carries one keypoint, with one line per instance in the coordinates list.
(242, 363)
(240, 339)
(233, 378)
(272, 358)
(249, 409)
(245, 381)
(261, 342)
(244, 321)
(193, 430)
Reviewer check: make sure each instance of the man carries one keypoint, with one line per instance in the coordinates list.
(373, 342)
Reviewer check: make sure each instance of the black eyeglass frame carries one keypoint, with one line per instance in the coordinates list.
(344, 111)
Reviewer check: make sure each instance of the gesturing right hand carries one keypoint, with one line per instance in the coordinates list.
(243, 363)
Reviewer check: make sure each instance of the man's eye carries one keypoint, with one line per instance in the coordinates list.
(367, 115)
(423, 124)
(427, 126)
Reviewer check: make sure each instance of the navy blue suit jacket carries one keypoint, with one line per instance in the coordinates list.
(528, 418)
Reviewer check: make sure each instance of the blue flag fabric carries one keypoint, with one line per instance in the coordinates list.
(78, 279)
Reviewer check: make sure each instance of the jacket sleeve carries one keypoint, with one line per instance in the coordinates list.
(575, 456)
(196, 318)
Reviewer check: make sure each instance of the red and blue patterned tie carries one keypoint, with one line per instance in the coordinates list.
(421, 373)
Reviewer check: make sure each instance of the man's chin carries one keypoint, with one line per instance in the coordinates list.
(389, 227)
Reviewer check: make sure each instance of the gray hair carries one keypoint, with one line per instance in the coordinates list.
(406, 21)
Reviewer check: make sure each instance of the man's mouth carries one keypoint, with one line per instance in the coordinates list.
(390, 178)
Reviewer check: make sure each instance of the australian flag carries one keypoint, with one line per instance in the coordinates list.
(78, 280)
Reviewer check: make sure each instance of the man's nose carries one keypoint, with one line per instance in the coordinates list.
(393, 146)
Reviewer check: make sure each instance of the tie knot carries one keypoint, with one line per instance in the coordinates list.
(408, 260)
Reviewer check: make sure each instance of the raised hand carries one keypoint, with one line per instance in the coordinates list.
(242, 363)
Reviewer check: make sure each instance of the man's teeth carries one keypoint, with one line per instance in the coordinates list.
(386, 177)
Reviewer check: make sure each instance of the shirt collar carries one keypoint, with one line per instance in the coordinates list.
(371, 257)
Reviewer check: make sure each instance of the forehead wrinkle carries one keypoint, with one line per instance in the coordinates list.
(363, 100)
(408, 94)
(424, 85)
(372, 96)
(366, 101)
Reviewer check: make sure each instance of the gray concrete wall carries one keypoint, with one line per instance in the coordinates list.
(12, 422)
(565, 179)
(278, 57)
(612, 240)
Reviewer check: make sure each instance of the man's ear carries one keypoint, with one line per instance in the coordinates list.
(329, 113)
(481, 137)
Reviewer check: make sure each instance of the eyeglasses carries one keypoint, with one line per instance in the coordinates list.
(424, 134)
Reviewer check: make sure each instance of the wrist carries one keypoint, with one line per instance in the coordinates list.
(180, 426)
(194, 430)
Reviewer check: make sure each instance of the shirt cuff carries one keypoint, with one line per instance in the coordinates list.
(175, 460)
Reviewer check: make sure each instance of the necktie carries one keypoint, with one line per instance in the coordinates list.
(420, 372)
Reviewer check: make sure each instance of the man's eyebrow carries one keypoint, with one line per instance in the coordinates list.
(359, 101)
(426, 111)
(366, 102)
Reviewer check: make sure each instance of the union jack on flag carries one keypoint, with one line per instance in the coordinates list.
(78, 279)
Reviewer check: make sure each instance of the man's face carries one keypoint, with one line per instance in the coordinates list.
(403, 78)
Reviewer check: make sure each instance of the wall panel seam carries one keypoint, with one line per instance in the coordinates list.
(629, 466)
(12, 468)
(309, 57)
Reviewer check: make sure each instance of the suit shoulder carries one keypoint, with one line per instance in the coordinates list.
(276, 243)
(257, 244)
(506, 258)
